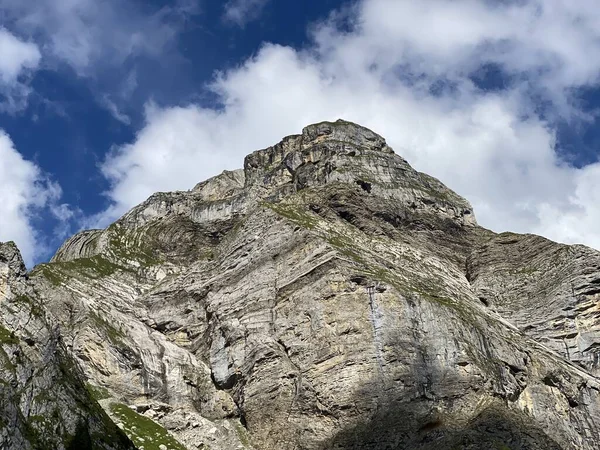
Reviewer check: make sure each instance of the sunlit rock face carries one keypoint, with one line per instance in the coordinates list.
(328, 296)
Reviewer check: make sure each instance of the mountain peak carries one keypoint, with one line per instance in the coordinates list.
(311, 298)
(344, 131)
(328, 157)
(344, 153)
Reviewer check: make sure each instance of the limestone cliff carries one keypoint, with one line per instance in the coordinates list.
(44, 403)
(329, 296)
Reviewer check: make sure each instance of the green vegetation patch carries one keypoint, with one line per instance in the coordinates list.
(115, 335)
(242, 434)
(124, 246)
(7, 337)
(525, 271)
(294, 213)
(6, 363)
(97, 392)
(35, 308)
(133, 245)
(58, 273)
(144, 432)
(51, 273)
(94, 267)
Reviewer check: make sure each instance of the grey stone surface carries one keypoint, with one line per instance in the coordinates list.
(550, 291)
(44, 403)
(329, 296)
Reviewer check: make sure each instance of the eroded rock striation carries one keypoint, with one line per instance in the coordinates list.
(44, 403)
(328, 296)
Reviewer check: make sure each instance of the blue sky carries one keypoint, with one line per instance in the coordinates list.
(104, 103)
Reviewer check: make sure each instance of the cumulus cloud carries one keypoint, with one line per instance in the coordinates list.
(101, 41)
(24, 192)
(17, 56)
(578, 221)
(18, 59)
(406, 69)
(240, 12)
(88, 33)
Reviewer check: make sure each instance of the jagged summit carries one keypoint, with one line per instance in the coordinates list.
(344, 131)
(336, 155)
(328, 296)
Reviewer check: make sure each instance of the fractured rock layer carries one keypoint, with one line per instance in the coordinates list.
(44, 403)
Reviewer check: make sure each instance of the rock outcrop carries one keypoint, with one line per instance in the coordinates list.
(550, 291)
(44, 403)
(329, 296)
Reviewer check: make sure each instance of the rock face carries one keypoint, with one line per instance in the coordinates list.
(549, 291)
(44, 403)
(329, 296)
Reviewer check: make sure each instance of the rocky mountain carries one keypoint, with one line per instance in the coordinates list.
(325, 296)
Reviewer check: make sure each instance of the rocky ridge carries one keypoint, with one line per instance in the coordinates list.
(328, 296)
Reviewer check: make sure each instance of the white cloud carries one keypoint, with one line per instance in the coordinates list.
(578, 222)
(18, 59)
(403, 69)
(24, 191)
(240, 12)
(101, 41)
(113, 109)
(87, 34)
(17, 56)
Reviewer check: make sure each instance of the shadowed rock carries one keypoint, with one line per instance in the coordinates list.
(43, 400)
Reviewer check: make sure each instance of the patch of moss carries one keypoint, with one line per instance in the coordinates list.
(526, 271)
(35, 308)
(294, 213)
(31, 432)
(242, 434)
(8, 337)
(133, 245)
(97, 392)
(111, 436)
(50, 272)
(115, 335)
(5, 361)
(94, 267)
(437, 194)
(124, 246)
(70, 371)
(42, 397)
(58, 273)
(144, 432)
